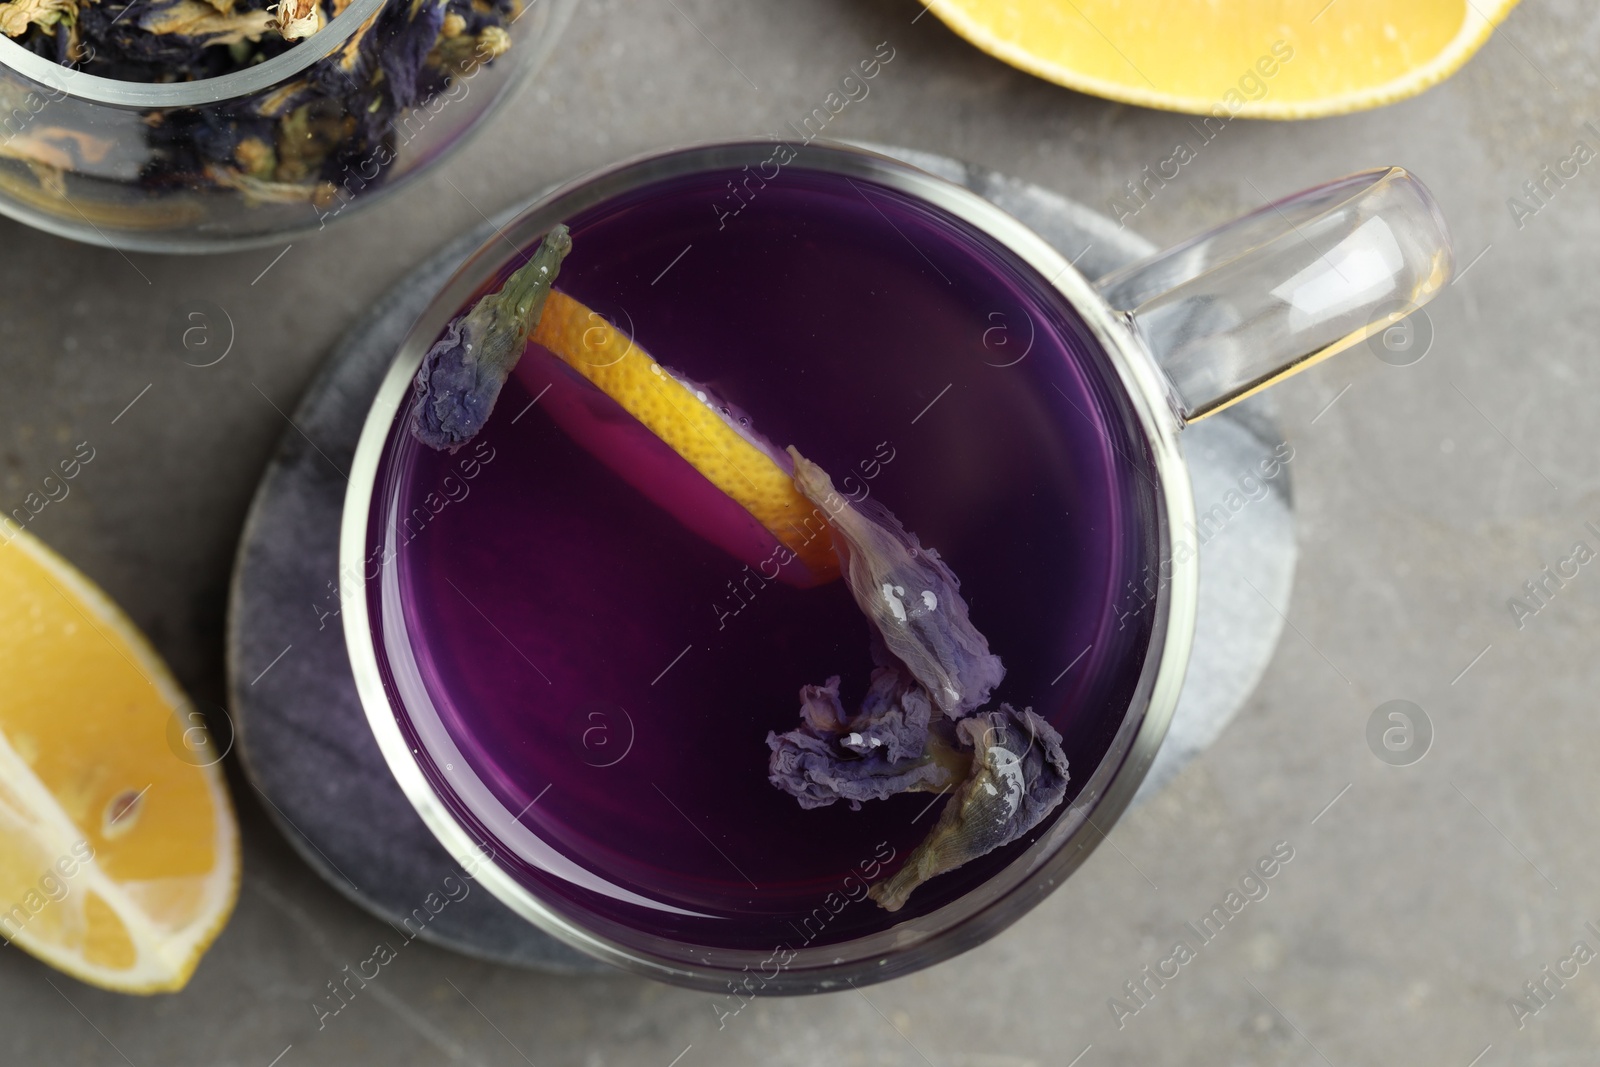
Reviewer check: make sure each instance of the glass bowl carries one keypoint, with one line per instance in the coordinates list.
(281, 147)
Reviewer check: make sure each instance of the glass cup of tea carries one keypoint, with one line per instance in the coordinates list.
(814, 593)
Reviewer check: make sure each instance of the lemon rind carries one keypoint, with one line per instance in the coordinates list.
(165, 960)
(1418, 79)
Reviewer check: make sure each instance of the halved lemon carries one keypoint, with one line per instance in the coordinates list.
(119, 854)
(1268, 59)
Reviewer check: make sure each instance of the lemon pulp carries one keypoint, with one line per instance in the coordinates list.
(1180, 55)
(119, 856)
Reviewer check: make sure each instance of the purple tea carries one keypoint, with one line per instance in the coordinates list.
(611, 667)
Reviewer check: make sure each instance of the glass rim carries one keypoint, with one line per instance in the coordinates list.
(1109, 788)
(230, 86)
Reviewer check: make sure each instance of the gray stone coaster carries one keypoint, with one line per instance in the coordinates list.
(302, 736)
(301, 733)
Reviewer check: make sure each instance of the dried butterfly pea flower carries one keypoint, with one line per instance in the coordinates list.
(1009, 764)
(172, 40)
(17, 15)
(176, 28)
(885, 748)
(407, 48)
(461, 375)
(1019, 775)
(297, 19)
(330, 134)
(465, 52)
(909, 595)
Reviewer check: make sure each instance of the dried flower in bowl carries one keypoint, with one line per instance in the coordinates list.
(325, 133)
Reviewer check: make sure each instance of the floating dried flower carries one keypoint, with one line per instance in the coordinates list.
(462, 374)
(928, 655)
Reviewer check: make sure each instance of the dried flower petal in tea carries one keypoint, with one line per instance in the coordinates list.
(462, 374)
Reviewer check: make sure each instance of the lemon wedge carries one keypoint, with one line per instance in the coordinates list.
(119, 854)
(1273, 59)
(748, 471)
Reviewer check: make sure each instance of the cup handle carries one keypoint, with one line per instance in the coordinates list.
(1235, 309)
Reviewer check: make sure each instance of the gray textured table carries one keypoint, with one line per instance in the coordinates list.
(1426, 496)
